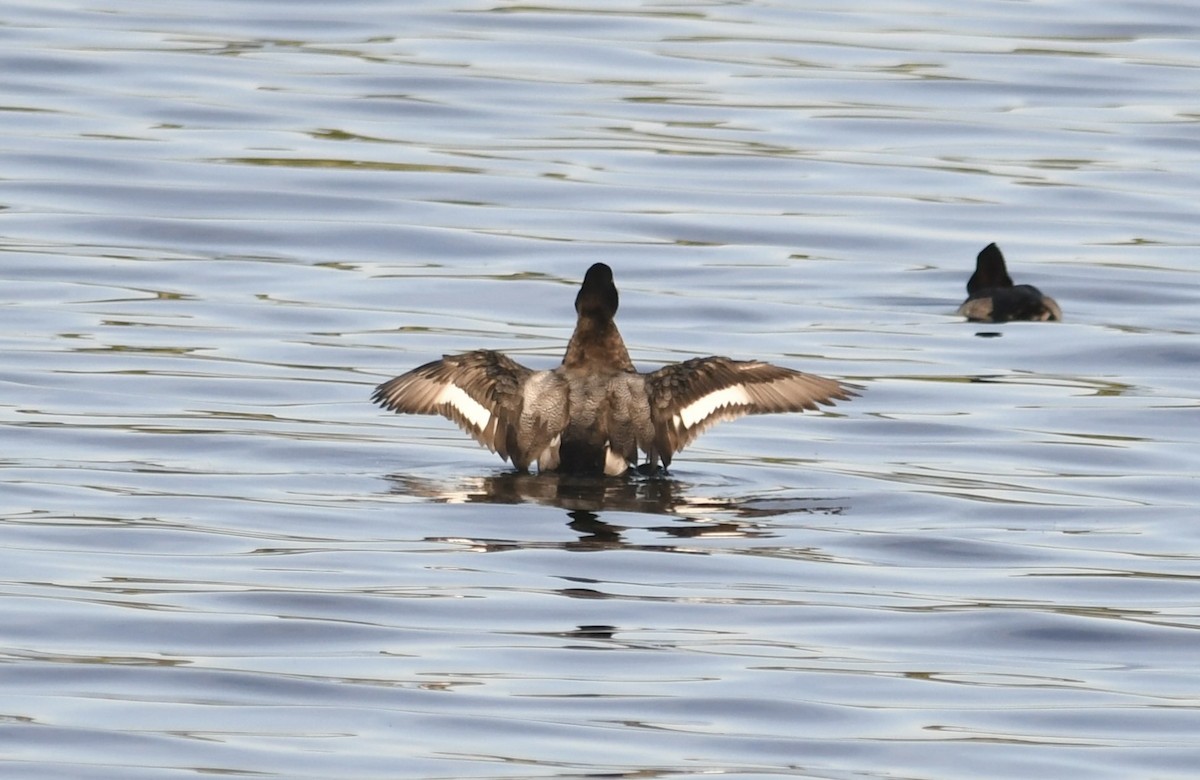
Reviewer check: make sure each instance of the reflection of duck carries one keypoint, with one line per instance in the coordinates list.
(565, 491)
(586, 499)
(992, 296)
(594, 412)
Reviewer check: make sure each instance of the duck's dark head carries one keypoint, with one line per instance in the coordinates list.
(597, 296)
(990, 271)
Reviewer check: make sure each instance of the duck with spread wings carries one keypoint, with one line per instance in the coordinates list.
(594, 412)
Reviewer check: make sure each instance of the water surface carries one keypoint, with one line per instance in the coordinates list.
(222, 224)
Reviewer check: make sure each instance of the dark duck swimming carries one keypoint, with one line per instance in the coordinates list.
(592, 414)
(992, 296)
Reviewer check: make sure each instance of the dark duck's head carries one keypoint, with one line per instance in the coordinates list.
(992, 296)
(596, 342)
(597, 296)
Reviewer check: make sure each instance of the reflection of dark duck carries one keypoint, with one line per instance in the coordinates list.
(992, 296)
(593, 413)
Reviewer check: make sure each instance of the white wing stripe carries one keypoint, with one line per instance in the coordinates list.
(702, 407)
(474, 412)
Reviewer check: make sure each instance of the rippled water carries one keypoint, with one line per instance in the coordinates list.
(222, 224)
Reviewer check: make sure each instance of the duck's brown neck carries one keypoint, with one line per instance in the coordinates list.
(597, 344)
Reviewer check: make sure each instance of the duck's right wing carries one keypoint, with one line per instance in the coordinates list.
(687, 398)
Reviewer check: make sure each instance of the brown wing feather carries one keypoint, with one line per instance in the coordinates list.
(490, 379)
(689, 397)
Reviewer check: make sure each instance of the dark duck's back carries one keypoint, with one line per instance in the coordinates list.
(992, 296)
(594, 412)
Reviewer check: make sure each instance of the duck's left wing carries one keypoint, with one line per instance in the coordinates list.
(495, 399)
(686, 398)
